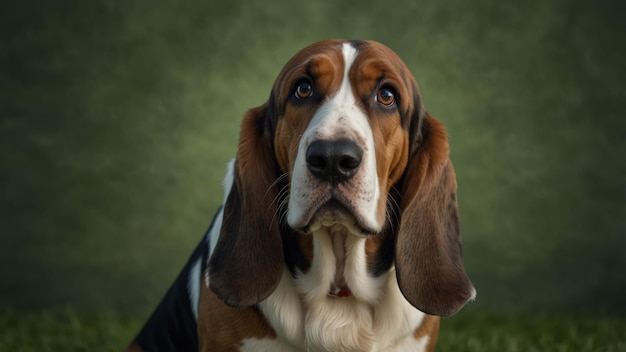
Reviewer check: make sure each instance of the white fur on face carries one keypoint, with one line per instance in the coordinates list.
(338, 118)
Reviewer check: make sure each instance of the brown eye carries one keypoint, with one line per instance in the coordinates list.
(385, 96)
(304, 90)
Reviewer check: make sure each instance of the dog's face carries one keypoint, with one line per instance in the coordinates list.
(343, 145)
(345, 111)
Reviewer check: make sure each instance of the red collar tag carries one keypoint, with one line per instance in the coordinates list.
(344, 294)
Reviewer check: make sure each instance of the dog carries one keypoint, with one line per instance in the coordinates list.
(339, 229)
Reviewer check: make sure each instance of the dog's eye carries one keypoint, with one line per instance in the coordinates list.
(386, 96)
(304, 90)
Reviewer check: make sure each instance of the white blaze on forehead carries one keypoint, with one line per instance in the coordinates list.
(339, 117)
(349, 55)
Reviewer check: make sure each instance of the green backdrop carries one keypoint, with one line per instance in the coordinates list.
(117, 119)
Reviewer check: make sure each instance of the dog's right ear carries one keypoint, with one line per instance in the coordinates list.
(247, 262)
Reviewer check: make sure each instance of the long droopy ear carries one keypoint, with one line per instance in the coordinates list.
(429, 263)
(246, 264)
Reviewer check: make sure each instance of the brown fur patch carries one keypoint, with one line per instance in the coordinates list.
(306, 245)
(430, 328)
(134, 348)
(223, 328)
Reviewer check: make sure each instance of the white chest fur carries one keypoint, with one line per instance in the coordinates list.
(375, 317)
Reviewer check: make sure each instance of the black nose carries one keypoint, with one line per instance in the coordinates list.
(334, 161)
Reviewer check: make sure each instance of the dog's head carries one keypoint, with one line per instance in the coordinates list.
(344, 140)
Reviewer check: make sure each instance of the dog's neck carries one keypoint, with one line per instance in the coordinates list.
(337, 305)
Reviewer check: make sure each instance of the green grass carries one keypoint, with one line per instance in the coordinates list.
(68, 330)
(475, 332)
(65, 330)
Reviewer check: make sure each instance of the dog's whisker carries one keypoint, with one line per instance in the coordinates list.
(392, 211)
(281, 200)
(278, 179)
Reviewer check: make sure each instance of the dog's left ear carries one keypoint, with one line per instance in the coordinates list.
(429, 263)
(246, 264)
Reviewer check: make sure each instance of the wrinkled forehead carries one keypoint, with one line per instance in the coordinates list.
(333, 48)
(378, 60)
(325, 63)
(321, 61)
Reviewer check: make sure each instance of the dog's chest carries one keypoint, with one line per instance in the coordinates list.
(337, 305)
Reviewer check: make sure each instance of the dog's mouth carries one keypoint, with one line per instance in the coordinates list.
(334, 212)
(336, 216)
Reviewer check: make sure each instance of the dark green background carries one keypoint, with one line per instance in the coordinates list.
(117, 119)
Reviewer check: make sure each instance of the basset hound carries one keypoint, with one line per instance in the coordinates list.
(339, 229)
